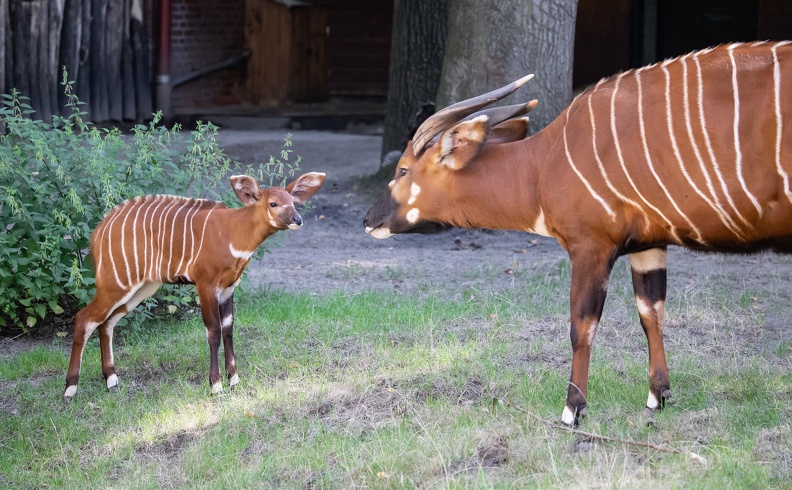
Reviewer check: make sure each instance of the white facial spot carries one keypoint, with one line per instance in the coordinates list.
(648, 260)
(415, 189)
(70, 391)
(391, 184)
(412, 215)
(240, 254)
(294, 226)
(380, 233)
(217, 388)
(652, 402)
(112, 381)
(228, 321)
(568, 417)
(234, 380)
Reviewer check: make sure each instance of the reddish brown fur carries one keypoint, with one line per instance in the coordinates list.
(147, 241)
(634, 164)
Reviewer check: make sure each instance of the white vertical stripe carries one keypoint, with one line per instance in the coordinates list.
(670, 122)
(172, 231)
(200, 246)
(161, 237)
(197, 206)
(582, 178)
(601, 165)
(642, 128)
(135, 225)
(721, 211)
(708, 142)
(779, 119)
(110, 247)
(123, 246)
(737, 150)
(621, 159)
(150, 249)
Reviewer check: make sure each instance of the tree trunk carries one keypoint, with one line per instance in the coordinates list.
(54, 24)
(417, 47)
(114, 42)
(98, 59)
(83, 83)
(494, 42)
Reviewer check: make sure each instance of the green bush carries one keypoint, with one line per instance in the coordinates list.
(58, 180)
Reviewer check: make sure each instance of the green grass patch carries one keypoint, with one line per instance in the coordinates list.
(381, 390)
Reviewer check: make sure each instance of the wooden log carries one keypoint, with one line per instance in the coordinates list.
(84, 80)
(141, 62)
(70, 45)
(127, 66)
(4, 47)
(54, 24)
(113, 32)
(99, 102)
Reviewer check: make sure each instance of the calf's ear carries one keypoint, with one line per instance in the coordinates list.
(246, 188)
(305, 186)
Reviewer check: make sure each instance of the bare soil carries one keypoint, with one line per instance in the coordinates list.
(332, 252)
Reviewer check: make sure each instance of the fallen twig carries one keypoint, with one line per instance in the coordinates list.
(665, 449)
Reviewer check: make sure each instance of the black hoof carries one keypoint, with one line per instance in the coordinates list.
(113, 389)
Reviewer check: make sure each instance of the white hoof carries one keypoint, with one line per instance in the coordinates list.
(568, 417)
(70, 391)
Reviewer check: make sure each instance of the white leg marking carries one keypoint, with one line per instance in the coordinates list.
(70, 391)
(651, 401)
(644, 309)
(228, 321)
(217, 388)
(412, 215)
(592, 332)
(648, 157)
(539, 226)
(737, 150)
(234, 380)
(568, 417)
(648, 260)
(112, 380)
(223, 294)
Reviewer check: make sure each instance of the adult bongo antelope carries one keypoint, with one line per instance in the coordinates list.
(147, 241)
(694, 151)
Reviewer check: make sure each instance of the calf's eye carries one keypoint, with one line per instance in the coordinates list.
(273, 205)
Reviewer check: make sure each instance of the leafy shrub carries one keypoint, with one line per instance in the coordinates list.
(57, 181)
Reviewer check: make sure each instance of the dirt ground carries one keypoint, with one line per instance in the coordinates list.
(332, 252)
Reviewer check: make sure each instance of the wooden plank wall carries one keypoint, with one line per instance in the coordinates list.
(359, 46)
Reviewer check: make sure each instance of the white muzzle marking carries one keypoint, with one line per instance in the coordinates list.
(294, 226)
(380, 233)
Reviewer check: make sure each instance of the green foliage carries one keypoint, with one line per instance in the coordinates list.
(58, 180)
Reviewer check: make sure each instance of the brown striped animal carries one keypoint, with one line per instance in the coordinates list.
(694, 151)
(147, 241)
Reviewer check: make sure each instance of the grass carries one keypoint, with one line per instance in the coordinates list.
(382, 390)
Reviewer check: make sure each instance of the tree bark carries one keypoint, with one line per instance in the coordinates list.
(141, 65)
(83, 83)
(98, 59)
(417, 47)
(114, 42)
(494, 42)
(54, 24)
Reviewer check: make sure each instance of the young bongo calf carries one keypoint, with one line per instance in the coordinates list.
(150, 240)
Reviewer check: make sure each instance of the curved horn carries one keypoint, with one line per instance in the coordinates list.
(497, 115)
(453, 113)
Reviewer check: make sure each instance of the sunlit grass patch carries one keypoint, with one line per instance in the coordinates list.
(385, 390)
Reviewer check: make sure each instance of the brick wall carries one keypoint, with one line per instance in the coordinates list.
(204, 32)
